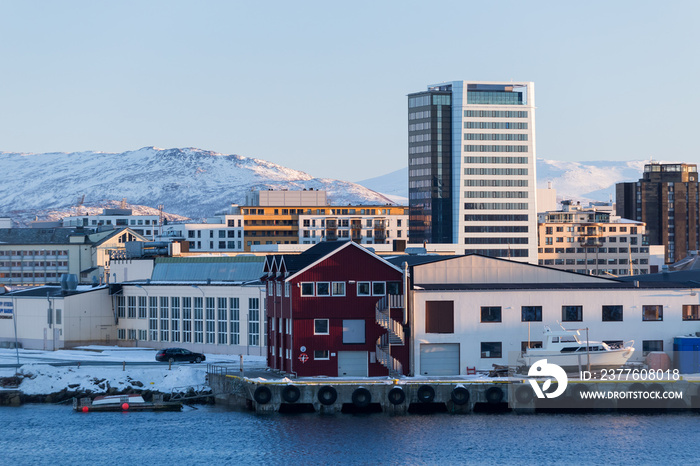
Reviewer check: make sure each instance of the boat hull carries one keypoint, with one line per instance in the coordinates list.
(611, 359)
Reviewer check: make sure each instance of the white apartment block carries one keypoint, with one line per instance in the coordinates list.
(371, 225)
(144, 225)
(221, 233)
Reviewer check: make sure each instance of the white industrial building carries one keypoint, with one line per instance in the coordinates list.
(475, 311)
(204, 304)
(52, 317)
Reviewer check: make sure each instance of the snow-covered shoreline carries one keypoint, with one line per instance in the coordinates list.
(39, 379)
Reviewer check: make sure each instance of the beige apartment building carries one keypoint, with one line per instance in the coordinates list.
(592, 241)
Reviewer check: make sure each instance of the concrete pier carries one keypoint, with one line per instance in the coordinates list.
(462, 395)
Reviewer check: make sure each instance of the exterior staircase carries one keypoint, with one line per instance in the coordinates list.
(393, 337)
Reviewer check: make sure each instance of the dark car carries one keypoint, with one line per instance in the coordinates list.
(179, 354)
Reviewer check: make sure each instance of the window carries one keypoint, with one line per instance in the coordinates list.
(321, 354)
(491, 349)
(59, 320)
(531, 344)
(121, 334)
(287, 288)
(131, 307)
(393, 288)
(278, 286)
(142, 307)
(234, 317)
(439, 317)
(307, 289)
(338, 288)
(363, 289)
(378, 288)
(254, 321)
(612, 313)
(153, 317)
(354, 332)
(323, 289)
(491, 313)
(121, 310)
(572, 313)
(652, 345)
(652, 312)
(531, 313)
(690, 312)
(320, 326)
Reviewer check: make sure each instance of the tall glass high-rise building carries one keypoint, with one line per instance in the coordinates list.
(471, 165)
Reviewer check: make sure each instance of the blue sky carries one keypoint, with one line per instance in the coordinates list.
(321, 86)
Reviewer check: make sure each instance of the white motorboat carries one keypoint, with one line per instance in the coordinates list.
(568, 350)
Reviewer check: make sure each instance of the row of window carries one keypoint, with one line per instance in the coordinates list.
(210, 320)
(496, 194)
(496, 183)
(496, 229)
(510, 252)
(494, 137)
(419, 126)
(496, 171)
(419, 115)
(509, 160)
(495, 218)
(439, 315)
(574, 313)
(494, 114)
(494, 148)
(493, 125)
(593, 261)
(42, 252)
(592, 250)
(419, 149)
(495, 241)
(419, 138)
(494, 349)
(338, 288)
(496, 206)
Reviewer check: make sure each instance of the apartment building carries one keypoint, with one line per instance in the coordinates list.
(471, 155)
(592, 241)
(667, 199)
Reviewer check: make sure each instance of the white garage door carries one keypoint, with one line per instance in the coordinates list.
(352, 363)
(439, 359)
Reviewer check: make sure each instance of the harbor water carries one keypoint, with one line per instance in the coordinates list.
(54, 434)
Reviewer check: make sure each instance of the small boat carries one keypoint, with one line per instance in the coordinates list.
(565, 349)
(124, 403)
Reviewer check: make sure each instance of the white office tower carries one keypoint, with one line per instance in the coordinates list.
(471, 155)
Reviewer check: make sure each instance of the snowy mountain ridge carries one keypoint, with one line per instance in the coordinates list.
(190, 182)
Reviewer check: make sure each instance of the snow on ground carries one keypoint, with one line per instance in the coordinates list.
(41, 378)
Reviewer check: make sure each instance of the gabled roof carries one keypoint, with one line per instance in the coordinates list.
(103, 236)
(296, 264)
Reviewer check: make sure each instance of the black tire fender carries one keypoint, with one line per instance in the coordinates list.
(426, 394)
(361, 397)
(494, 395)
(524, 394)
(327, 395)
(396, 396)
(262, 395)
(460, 395)
(291, 393)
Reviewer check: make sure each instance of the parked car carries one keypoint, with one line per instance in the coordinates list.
(179, 354)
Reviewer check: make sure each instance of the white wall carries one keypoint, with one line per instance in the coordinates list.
(202, 291)
(470, 331)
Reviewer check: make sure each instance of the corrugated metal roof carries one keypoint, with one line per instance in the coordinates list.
(201, 269)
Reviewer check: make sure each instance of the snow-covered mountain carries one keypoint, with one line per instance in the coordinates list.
(189, 182)
(393, 185)
(580, 181)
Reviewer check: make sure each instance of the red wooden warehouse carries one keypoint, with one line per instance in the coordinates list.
(335, 310)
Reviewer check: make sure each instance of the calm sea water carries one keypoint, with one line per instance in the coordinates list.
(50, 434)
